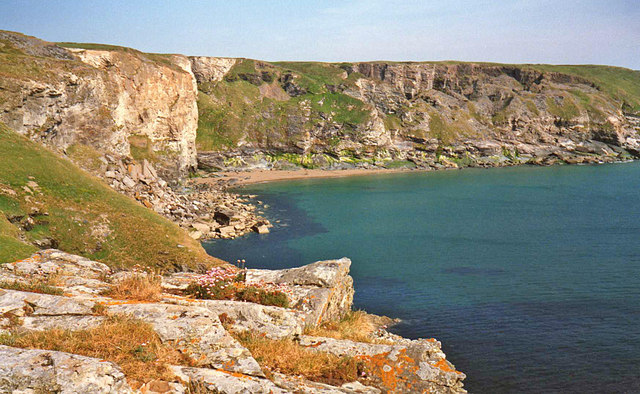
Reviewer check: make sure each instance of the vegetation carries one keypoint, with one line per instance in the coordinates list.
(290, 358)
(231, 108)
(226, 284)
(355, 325)
(139, 285)
(620, 83)
(85, 216)
(128, 342)
(33, 286)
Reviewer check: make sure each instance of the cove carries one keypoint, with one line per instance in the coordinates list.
(528, 275)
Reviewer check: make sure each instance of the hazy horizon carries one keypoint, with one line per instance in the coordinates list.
(522, 31)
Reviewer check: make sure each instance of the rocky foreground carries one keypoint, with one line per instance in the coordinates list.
(218, 362)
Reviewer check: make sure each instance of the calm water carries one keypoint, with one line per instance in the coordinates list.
(529, 276)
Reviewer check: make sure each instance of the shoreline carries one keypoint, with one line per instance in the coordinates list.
(241, 178)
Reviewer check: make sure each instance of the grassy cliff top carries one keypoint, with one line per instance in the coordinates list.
(84, 216)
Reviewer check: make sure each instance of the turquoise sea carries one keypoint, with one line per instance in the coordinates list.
(529, 276)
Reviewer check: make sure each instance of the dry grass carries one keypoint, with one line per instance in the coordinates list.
(36, 284)
(356, 326)
(128, 342)
(31, 286)
(139, 286)
(288, 357)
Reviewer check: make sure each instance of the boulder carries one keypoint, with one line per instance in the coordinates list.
(45, 371)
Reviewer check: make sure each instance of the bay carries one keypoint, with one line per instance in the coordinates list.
(529, 276)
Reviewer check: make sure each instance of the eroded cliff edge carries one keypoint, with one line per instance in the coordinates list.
(428, 115)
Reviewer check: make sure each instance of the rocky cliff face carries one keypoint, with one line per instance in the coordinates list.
(115, 100)
(424, 114)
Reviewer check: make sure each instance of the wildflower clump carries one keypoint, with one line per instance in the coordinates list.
(222, 283)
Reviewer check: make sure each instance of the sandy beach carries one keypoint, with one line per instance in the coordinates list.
(261, 176)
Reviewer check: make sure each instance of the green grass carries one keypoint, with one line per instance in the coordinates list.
(566, 109)
(620, 83)
(79, 204)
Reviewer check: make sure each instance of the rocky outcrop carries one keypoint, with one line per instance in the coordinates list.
(426, 115)
(319, 292)
(210, 69)
(414, 366)
(44, 371)
(109, 100)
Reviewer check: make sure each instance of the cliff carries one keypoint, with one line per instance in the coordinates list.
(218, 339)
(114, 100)
(437, 114)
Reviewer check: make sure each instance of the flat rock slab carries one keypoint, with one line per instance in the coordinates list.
(271, 321)
(20, 303)
(414, 366)
(197, 332)
(53, 261)
(44, 371)
(300, 385)
(215, 381)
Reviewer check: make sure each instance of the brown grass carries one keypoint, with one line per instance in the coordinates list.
(288, 357)
(139, 286)
(355, 325)
(128, 342)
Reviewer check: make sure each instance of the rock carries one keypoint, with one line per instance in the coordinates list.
(14, 302)
(323, 290)
(227, 231)
(414, 366)
(195, 234)
(301, 385)
(44, 371)
(128, 182)
(215, 381)
(53, 261)
(263, 229)
(223, 217)
(197, 332)
(271, 321)
(202, 227)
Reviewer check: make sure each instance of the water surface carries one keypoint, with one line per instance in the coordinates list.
(529, 276)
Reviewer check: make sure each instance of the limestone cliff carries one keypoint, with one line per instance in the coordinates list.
(266, 115)
(115, 100)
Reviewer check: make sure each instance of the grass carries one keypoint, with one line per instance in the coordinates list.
(564, 108)
(77, 204)
(139, 286)
(128, 342)
(620, 83)
(288, 357)
(355, 325)
(33, 286)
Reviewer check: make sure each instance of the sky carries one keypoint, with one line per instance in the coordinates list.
(508, 31)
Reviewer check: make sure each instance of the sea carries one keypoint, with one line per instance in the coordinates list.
(529, 276)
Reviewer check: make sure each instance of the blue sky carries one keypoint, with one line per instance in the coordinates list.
(516, 31)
